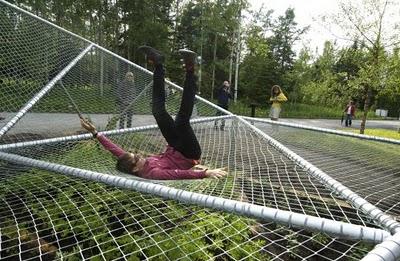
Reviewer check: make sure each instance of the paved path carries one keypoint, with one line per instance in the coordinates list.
(59, 124)
(335, 124)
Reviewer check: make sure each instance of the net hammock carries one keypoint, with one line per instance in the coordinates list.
(291, 193)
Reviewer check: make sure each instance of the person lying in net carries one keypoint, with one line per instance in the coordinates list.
(183, 150)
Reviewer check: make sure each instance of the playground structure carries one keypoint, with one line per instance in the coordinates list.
(292, 193)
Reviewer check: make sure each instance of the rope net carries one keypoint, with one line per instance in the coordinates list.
(48, 75)
(369, 168)
(47, 215)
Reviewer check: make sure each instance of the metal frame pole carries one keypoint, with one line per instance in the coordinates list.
(388, 250)
(42, 92)
(108, 133)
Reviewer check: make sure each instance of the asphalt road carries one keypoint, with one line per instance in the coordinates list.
(335, 124)
(57, 124)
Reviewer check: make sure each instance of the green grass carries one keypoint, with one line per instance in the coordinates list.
(295, 110)
(392, 134)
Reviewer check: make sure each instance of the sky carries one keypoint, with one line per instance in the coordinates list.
(307, 12)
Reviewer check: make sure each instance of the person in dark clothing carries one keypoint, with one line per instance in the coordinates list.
(183, 150)
(350, 113)
(126, 93)
(223, 95)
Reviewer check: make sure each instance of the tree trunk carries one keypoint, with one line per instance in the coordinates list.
(237, 66)
(368, 98)
(367, 104)
(201, 61)
(238, 54)
(231, 60)
(174, 35)
(100, 41)
(214, 61)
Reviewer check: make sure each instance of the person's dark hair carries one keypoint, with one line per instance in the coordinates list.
(125, 164)
(273, 88)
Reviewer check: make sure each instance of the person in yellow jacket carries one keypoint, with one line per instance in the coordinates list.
(277, 98)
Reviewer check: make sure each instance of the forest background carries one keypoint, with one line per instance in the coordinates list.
(253, 49)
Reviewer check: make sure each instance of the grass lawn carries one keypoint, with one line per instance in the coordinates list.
(295, 110)
(392, 134)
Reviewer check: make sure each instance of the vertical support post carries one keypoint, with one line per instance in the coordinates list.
(253, 111)
(237, 54)
(101, 73)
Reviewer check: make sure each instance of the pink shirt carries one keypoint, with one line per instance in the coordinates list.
(168, 165)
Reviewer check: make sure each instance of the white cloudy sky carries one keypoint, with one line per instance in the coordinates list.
(307, 13)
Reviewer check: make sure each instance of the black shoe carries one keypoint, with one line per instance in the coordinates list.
(222, 128)
(189, 58)
(154, 56)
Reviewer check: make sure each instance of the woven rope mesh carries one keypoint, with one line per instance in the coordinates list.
(258, 173)
(47, 215)
(369, 168)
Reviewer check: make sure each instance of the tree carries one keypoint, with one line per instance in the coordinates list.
(389, 97)
(259, 67)
(270, 57)
(208, 27)
(324, 79)
(367, 22)
(300, 75)
(285, 33)
(347, 68)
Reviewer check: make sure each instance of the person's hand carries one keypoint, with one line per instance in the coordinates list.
(216, 173)
(88, 126)
(200, 167)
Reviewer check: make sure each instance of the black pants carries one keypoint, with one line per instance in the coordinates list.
(348, 120)
(125, 115)
(178, 133)
(220, 113)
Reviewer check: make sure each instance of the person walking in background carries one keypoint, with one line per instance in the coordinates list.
(126, 93)
(277, 98)
(350, 113)
(223, 95)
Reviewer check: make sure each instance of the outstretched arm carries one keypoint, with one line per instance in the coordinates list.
(174, 174)
(107, 144)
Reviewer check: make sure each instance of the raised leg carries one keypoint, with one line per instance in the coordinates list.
(162, 117)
